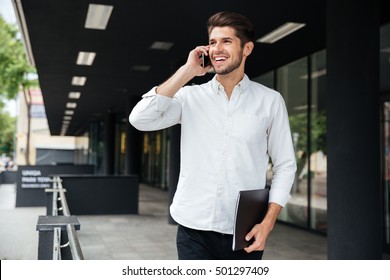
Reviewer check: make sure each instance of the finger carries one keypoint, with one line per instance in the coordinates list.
(202, 49)
(255, 246)
(250, 234)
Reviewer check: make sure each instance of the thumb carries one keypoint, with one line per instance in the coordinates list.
(250, 234)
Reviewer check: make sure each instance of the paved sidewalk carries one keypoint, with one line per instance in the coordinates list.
(18, 237)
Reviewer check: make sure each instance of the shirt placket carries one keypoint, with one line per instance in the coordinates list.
(221, 186)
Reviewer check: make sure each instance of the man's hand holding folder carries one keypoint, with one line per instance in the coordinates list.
(254, 220)
(261, 231)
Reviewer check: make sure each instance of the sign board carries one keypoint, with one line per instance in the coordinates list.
(32, 180)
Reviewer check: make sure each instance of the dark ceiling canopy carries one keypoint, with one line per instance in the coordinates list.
(125, 66)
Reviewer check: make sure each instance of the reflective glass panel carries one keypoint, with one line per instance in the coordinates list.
(318, 153)
(292, 84)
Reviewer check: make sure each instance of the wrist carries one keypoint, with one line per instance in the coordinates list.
(272, 215)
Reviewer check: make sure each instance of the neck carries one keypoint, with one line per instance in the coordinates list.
(229, 81)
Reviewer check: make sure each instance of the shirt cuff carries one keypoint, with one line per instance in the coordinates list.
(279, 196)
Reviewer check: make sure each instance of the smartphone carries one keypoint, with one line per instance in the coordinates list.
(205, 60)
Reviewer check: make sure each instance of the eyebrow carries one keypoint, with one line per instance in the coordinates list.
(223, 38)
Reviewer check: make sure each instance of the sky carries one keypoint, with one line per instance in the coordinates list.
(7, 11)
(8, 14)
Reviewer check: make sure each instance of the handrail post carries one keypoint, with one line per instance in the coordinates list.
(48, 239)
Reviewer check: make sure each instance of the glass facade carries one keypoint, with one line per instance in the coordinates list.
(386, 170)
(96, 146)
(385, 128)
(317, 143)
(120, 148)
(303, 87)
(292, 83)
(155, 157)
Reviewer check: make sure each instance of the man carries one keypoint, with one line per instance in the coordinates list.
(230, 127)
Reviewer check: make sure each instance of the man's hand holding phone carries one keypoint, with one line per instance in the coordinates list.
(196, 64)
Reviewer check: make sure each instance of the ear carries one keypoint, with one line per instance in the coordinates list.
(248, 48)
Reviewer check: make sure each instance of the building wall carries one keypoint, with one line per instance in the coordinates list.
(40, 137)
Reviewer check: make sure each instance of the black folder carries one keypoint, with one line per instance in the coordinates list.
(251, 208)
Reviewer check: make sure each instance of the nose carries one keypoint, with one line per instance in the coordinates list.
(217, 46)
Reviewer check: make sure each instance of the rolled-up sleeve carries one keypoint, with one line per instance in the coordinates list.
(154, 112)
(281, 151)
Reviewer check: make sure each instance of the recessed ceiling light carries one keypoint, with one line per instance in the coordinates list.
(142, 68)
(63, 131)
(280, 32)
(65, 122)
(98, 16)
(67, 118)
(71, 105)
(69, 112)
(159, 45)
(78, 81)
(85, 58)
(74, 95)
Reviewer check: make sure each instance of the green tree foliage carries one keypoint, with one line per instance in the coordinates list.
(298, 125)
(14, 70)
(7, 128)
(14, 66)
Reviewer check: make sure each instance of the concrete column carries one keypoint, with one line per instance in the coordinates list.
(354, 190)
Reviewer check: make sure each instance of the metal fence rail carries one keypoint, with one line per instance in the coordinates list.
(57, 231)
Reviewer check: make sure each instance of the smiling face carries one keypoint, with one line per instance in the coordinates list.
(226, 53)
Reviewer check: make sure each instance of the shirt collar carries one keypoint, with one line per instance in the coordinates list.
(243, 84)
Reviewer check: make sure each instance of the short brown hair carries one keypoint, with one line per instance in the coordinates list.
(242, 25)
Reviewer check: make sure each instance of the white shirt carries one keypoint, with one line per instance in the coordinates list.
(225, 147)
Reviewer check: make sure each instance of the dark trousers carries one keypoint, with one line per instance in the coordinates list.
(209, 245)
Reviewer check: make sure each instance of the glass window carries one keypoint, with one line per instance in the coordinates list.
(385, 91)
(155, 158)
(318, 153)
(386, 169)
(292, 84)
(385, 58)
(120, 147)
(96, 146)
(266, 79)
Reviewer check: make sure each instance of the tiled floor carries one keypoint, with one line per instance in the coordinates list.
(145, 236)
